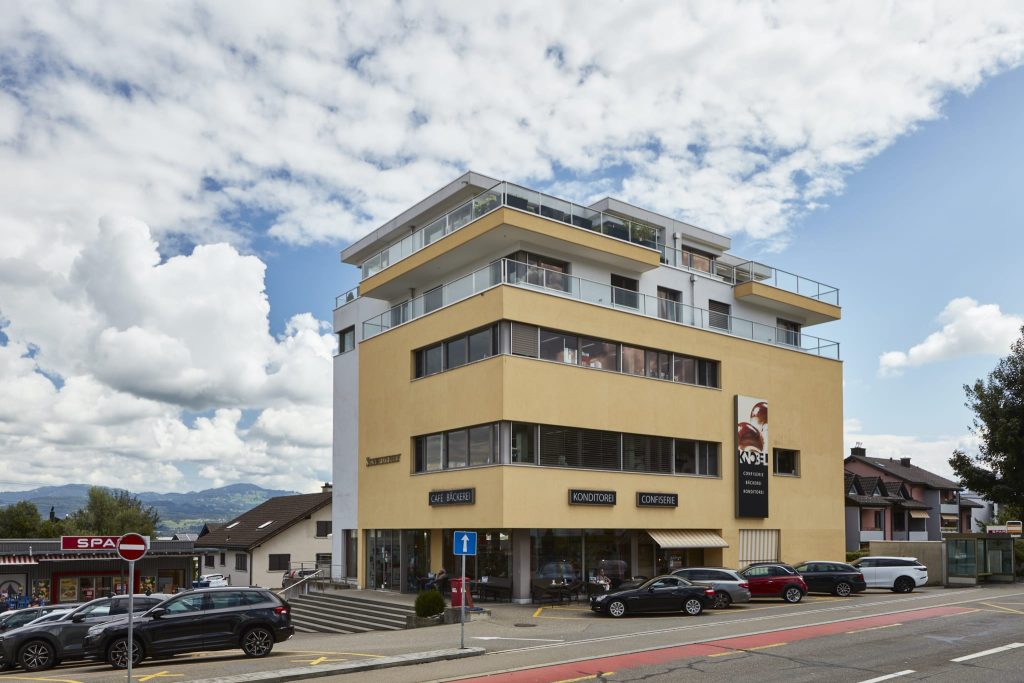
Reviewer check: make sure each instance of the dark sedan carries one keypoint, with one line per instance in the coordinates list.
(252, 619)
(837, 578)
(39, 646)
(13, 619)
(660, 594)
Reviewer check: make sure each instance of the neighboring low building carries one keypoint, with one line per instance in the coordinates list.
(890, 499)
(258, 547)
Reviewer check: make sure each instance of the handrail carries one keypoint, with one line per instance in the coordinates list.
(348, 297)
(566, 212)
(537, 278)
(315, 574)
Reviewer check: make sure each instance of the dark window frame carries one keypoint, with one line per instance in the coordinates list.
(323, 528)
(419, 464)
(277, 562)
(778, 457)
(347, 340)
(241, 562)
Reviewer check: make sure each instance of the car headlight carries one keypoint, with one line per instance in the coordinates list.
(601, 597)
(93, 630)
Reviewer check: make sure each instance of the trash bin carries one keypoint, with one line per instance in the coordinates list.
(456, 585)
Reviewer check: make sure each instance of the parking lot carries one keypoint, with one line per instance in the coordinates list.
(521, 634)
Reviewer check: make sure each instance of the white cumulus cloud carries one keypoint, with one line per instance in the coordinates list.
(967, 328)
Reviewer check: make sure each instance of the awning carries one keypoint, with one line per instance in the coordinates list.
(919, 514)
(676, 539)
(950, 518)
(18, 559)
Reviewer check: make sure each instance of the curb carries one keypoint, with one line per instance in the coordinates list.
(302, 672)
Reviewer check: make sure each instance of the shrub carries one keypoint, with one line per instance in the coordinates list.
(429, 603)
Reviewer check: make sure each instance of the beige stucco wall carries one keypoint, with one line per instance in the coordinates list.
(804, 394)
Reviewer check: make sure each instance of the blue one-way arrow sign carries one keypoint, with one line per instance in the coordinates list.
(465, 543)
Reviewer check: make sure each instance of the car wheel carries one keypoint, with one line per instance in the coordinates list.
(257, 642)
(693, 607)
(117, 653)
(37, 655)
(792, 594)
(904, 584)
(722, 600)
(617, 608)
(843, 589)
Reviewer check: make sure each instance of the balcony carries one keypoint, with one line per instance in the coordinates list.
(872, 535)
(817, 302)
(949, 509)
(346, 298)
(554, 283)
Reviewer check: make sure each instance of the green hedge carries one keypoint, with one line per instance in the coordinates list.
(429, 603)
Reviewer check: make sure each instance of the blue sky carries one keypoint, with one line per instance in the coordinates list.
(178, 184)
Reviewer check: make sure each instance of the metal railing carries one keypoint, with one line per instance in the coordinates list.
(346, 298)
(616, 227)
(507, 271)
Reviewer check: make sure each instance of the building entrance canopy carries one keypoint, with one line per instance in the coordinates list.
(677, 539)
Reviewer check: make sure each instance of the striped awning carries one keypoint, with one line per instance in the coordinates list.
(17, 559)
(950, 518)
(675, 539)
(919, 514)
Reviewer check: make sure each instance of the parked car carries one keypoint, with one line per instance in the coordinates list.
(898, 574)
(729, 586)
(660, 594)
(837, 578)
(253, 619)
(293, 575)
(14, 618)
(210, 581)
(775, 581)
(39, 646)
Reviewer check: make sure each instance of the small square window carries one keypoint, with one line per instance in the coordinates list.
(787, 462)
(346, 340)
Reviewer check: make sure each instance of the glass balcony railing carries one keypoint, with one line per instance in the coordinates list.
(507, 271)
(516, 197)
(617, 227)
(348, 297)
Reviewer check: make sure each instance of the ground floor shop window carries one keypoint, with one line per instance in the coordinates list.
(170, 580)
(493, 558)
(86, 588)
(578, 561)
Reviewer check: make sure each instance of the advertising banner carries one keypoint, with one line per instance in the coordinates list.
(751, 457)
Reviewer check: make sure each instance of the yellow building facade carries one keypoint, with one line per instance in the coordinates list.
(597, 391)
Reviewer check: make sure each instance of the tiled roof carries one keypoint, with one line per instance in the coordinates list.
(911, 504)
(870, 501)
(889, 493)
(911, 473)
(970, 503)
(265, 520)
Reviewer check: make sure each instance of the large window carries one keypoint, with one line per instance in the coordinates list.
(457, 351)
(789, 332)
(601, 355)
(670, 304)
(279, 562)
(625, 291)
(558, 347)
(646, 453)
(458, 448)
(719, 314)
(787, 462)
(632, 360)
(696, 457)
(539, 270)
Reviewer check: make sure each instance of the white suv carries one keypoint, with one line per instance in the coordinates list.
(899, 574)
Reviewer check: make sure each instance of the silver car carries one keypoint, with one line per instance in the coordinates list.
(729, 586)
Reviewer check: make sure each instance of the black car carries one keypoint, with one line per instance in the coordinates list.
(252, 619)
(660, 594)
(15, 618)
(35, 647)
(837, 578)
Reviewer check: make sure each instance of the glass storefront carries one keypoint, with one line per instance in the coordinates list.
(384, 559)
(416, 546)
(579, 560)
(493, 558)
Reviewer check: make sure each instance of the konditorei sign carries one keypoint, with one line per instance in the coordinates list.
(383, 460)
(751, 457)
(647, 499)
(452, 497)
(587, 497)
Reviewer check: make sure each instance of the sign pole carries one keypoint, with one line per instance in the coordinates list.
(462, 615)
(131, 615)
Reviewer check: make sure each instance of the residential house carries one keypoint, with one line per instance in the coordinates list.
(259, 546)
(890, 499)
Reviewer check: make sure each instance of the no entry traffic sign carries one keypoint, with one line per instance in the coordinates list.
(132, 547)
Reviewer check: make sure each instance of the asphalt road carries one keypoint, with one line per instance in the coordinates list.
(841, 639)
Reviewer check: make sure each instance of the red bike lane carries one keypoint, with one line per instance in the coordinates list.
(592, 667)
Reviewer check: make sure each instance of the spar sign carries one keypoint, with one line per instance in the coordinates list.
(94, 543)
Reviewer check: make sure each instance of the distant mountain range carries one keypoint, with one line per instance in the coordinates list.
(179, 512)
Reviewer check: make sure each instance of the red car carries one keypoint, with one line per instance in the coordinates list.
(775, 581)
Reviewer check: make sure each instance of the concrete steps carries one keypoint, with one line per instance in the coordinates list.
(339, 613)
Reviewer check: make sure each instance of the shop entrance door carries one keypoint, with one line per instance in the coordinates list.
(384, 559)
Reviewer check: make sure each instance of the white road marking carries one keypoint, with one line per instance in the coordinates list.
(538, 640)
(985, 653)
(889, 677)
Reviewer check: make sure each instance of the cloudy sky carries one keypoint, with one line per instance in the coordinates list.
(178, 179)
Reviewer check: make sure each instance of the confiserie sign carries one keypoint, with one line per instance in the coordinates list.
(645, 499)
(383, 460)
(452, 497)
(585, 497)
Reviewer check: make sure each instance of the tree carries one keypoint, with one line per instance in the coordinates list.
(20, 520)
(112, 513)
(997, 471)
